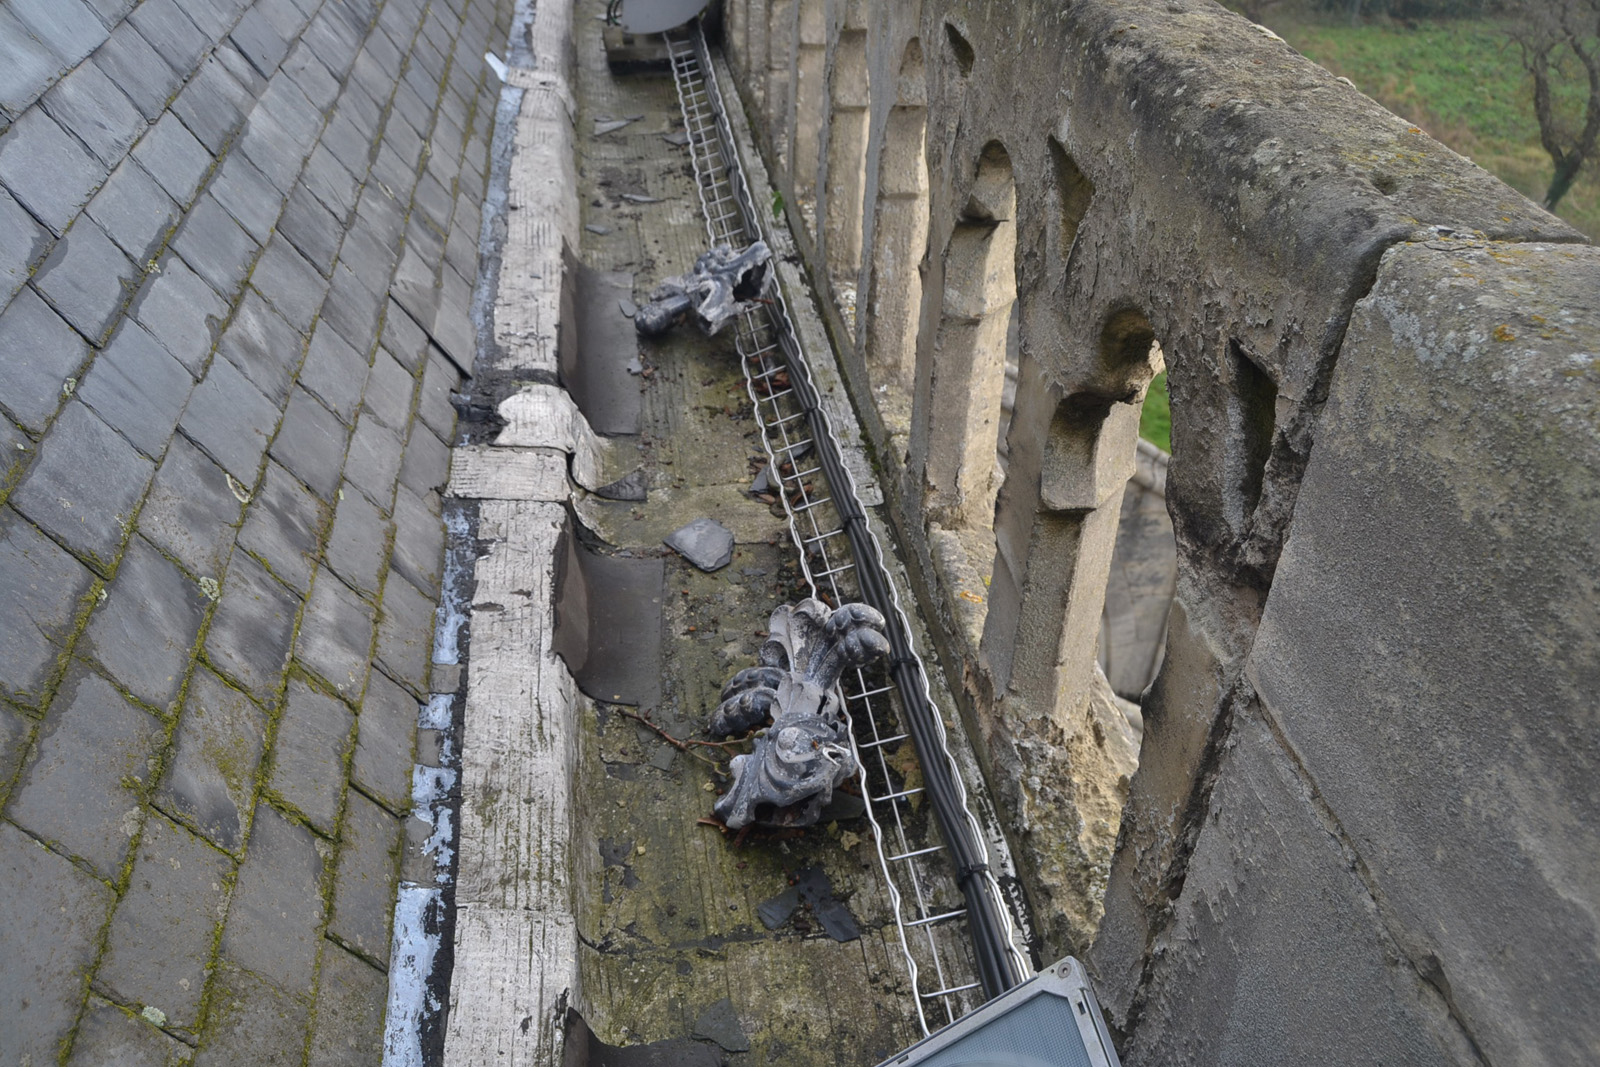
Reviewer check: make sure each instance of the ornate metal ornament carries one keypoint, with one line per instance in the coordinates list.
(796, 765)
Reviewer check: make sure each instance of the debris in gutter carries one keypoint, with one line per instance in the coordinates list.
(640, 198)
(722, 284)
(704, 542)
(676, 137)
(629, 308)
(596, 228)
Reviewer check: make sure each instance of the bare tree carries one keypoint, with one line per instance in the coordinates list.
(1552, 35)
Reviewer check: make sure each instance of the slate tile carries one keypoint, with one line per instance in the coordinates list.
(215, 246)
(134, 210)
(404, 339)
(386, 738)
(439, 380)
(23, 242)
(243, 71)
(390, 388)
(211, 781)
(46, 170)
(311, 443)
(292, 284)
(69, 27)
(231, 420)
(85, 486)
(252, 1021)
(89, 103)
(311, 228)
(434, 200)
(364, 887)
(405, 633)
(170, 33)
(308, 755)
(383, 214)
(92, 758)
(351, 999)
(426, 465)
(361, 107)
(213, 105)
(173, 157)
(253, 628)
(335, 639)
(388, 168)
(373, 462)
(426, 243)
(261, 344)
(87, 279)
(248, 196)
(284, 101)
(31, 389)
(327, 179)
(137, 388)
(334, 371)
(259, 42)
(371, 261)
(272, 148)
(332, 41)
(181, 311)
(348, 144)
(49, 932)
(284, 15)
(358, 545)
(210, 17)
(109, 1034)
(27, 66)
(143, 631)
(159, 952)
(16, 451)
(16, 735)
(138, 69)
(284, 527)
(310, 76)
(351, 308)
(461, 250)
(274, 919)
(44, 589)
(191, 512)
(406, 142)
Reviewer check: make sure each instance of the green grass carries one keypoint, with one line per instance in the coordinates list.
(1459, 79)
(1155, 418)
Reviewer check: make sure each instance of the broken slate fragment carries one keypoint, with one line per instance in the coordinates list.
(704, 542)
(631, 488)
(602, 128)
(775, 912)
(829, 911)
(629, 308)
(720, 1023)
(597, 229)
(677, 137)
(763, 482)
(640, 198)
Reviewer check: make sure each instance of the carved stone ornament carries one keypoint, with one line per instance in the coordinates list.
(722, 284)
(791, 774)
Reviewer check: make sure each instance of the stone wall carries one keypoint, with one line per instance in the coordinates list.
(238, 243)
(1357, 818)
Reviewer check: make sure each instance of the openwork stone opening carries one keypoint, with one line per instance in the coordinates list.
(1252, 421)
(847, 167)
(810, 108)
(780, 76)
(899, 238)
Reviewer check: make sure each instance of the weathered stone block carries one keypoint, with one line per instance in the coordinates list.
(386, 737)
(48, 933)
(138, 388)
(31, 389)
(159, 951)
(308, 756)
(144, 629)
(1429, 647)
(86, 485)
(93, 758)
(335, 639)
(275, 919)
(251, 630)
(231, 420)
(211, 782)
(47, 170)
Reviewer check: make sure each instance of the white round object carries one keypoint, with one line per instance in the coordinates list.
(656, 16)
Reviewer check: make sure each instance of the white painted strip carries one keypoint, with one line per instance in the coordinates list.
(410, 963)
(496, 473)
(507, 1008)
(544, 416)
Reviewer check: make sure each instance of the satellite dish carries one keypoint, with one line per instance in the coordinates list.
(658, 16)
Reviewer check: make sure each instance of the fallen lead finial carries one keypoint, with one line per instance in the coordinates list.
(721, 284)
(790, 775)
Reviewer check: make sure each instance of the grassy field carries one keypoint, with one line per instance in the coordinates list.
(1155, 418)
(1459, 79)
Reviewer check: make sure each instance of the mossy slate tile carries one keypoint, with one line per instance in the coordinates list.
(253, 627)
(275, 918)
(181, 311)
(138, 70)
(143, 631)
(291, 283)
(252, 1021)
(44, 588)
(390, 388)
(47, 170)
(192, 512)
(386, 738)
(231, 420)
(373, 462)
(364, 886)
(92, 759)
(218, 249)
(86, 485)
(134, 210)
(48, 933)
(108, 1034)
(170, 32)
(358, 546)
(263, 345)
(164, 928)
(23, 242)
(311, 228)
(284, 526)
(418, 542)
(88, 103)
(247, 194)
(351, 999)
(26, 65)
(405, 633)
(138, 388)
(32, 389)
(210, 784)
(308, 755)
(335, 371)
(335, 638)
(173, 157)
(88, 279)
(311, 443)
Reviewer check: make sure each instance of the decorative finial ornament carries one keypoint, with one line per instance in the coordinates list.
(795, 766)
